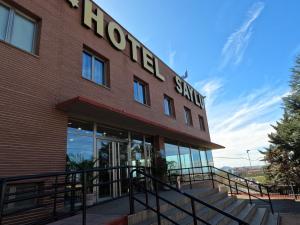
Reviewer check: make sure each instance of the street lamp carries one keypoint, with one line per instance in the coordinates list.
(249, 158)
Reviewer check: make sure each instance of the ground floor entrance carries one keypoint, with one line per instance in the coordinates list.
(94, 145)
(111, 154)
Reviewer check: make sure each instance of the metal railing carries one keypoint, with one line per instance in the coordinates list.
(58, 195)
(155, 191)
(235, 183)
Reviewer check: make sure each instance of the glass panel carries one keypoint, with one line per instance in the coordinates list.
(99, 72)
(196, 160)
(204, 161)
(142, 94)
(137, 151)
(185, 158)
(136, 90)
(23, 33)
(104, 153)
(167, 106)
(87, 66)
(210, 158)
(4, 13)
(79, 144)
(173, 159)
(103, 131)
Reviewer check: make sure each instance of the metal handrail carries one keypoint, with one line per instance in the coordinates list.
(211, 174)
(192, 198)
(58, 184)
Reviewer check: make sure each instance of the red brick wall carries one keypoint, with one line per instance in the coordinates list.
(32, 131)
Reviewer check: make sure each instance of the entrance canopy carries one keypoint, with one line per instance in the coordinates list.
(89, 109)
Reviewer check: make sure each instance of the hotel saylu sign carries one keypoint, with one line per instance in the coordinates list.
(95, 16)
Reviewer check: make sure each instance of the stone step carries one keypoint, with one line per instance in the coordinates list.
(176, 214)
(246, 214)
(260, 217)
(177, 199)
(233, 209)
(272, 219)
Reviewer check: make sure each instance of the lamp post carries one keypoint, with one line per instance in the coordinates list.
(249, 158)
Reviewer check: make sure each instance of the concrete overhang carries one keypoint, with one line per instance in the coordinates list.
(87, 108)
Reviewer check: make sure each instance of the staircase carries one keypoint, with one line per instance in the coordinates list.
(174, 207)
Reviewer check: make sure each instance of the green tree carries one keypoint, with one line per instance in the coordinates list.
(283, 154)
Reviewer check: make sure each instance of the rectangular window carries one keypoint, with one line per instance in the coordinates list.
(93, 69)
(169, 106)
(188, 116)
(201, 122)
(141, 92)
(17, 29)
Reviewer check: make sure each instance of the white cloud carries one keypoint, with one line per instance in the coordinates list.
(208, 88)
(241, 123)
(237, 43)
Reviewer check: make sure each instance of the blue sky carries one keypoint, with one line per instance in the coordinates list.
(238, 54)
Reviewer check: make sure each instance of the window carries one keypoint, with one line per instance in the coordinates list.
(169, 106)
(93, 69)
(141, 92)
(201, 122)
(17, 29)
(188, 116)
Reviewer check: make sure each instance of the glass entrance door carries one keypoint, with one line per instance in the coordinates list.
(111, 154)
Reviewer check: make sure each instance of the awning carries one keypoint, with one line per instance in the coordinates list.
(87, 108)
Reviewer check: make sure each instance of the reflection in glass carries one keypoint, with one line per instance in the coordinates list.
(204, 161)
(172, 156)
(80, 141)
(99, 72)
(87, 66)
(209, 158)
(196, 160)
(4, 12)
(23, 33)
(185, 158)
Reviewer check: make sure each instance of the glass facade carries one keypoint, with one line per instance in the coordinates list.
(181, 157)
(80, 141)
(172, 156)
(86, 138)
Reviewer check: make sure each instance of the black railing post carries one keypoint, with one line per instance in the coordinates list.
(2, 198)
(194, 211)
(190, 180)
(146, 192)
(73, 186)
(55, 197)
(260, 190)
(157, 202)
(228, 177)
(84, 192)
(212, 177)
(236, 188)
(131, 200)
(248, 192)
(270, 202)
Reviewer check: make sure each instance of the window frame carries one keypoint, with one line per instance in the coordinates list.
(202, 123)
(94, 57)
(146, 91)
(171, 106)
(190, 122)
(9, 28)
